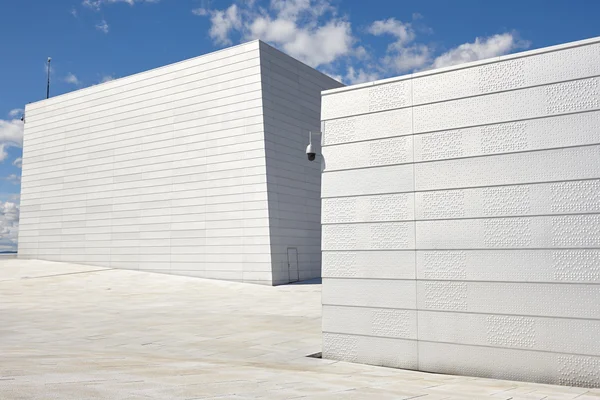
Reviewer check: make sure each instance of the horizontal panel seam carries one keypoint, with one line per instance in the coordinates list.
(54, 113)
(60, 148)
(478, 156)
(25, 137)
(462, 219)
(460, 188)
(418, 340)
(43, 104)
(423, 133)
(466, 97)
(470, 312)
(463, 249)
(419, 279)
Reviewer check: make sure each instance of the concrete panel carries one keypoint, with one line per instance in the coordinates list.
(509, 74)
(378, 208)
(369, 264)
(167, 170)
(577, 300)
(540, 101)
(369, 293)
(476, 186)
(509, 137)
(379, 180)
(564, 231)
(379, 322)
(557, 335)
(511, 364)
(368, 127)
(396, 353)
(573, 197)
(392, 151)
(520, 168)
(369, 236)
(540, 265)
(220, 59)
(367, 100)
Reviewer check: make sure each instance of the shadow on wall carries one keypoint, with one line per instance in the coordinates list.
(4, 256)
(315, 281)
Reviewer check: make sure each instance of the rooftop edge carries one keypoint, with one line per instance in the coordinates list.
(472, 64)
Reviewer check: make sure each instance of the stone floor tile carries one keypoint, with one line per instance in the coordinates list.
(75, 332)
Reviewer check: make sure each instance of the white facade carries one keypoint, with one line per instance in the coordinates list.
(196, 168)
(461, 219)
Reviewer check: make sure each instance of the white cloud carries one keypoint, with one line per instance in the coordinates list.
(72, 79)
(480, 49)
(355, 76)
(97, 4)
(11, 135)
(321, 45)
(107, 78)
(9, 225)
(13, 178)
(309, 30)
(402, 54)
(93, 4)
(315, 32)
(16, 112)
(201, 12)
(405, 59)
(102, 26)
(223, 22)
(18, 162)
(11, 132)
(403, 32)
(405, 54)
(3, 153)
(74, 12)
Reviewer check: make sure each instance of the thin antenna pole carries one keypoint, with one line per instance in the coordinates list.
(48, 82)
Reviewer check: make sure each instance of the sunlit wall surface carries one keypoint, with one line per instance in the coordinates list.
(196, 168)
(461, 225)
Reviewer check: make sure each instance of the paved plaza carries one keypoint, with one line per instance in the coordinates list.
(78, 332)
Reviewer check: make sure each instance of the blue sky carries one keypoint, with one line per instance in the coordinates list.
(91, 41)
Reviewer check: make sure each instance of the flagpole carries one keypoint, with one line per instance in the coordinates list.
(48, 83)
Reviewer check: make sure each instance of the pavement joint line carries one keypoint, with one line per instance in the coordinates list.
(505, 390)
(434, 386)
(244, 348)
(68, 273)
(72, 382)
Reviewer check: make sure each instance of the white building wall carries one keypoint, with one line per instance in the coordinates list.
(162, 171)
(461, 219)
(294, 184)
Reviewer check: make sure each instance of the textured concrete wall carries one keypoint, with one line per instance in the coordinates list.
(290, 89)
(163, 171)
(461, 219)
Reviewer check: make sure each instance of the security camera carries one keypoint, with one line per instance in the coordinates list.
(310, 152)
